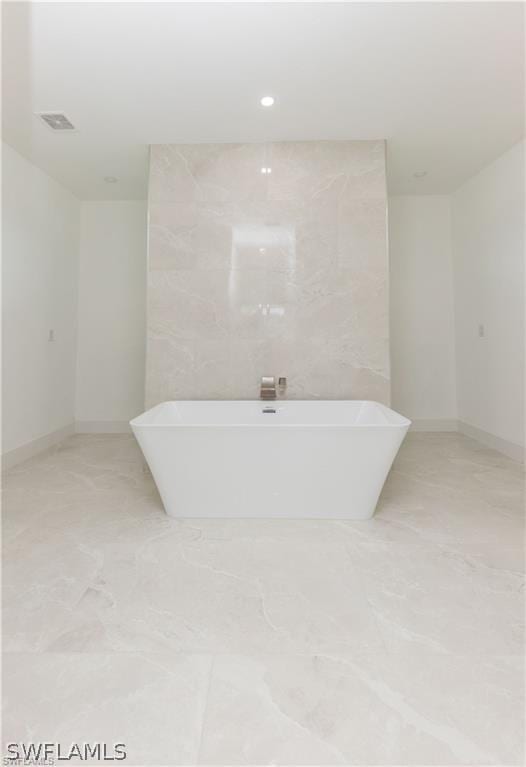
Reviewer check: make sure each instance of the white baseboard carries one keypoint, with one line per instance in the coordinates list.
(511, 449)
(434, 424)
(18, 454)
(102, 427)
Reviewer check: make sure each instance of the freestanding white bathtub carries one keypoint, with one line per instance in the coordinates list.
(321, 459)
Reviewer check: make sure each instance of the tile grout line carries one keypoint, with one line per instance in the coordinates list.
(205, 709)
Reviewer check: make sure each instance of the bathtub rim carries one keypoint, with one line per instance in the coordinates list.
(401, 423)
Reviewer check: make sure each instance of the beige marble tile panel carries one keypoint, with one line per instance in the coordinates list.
(294, 261)
(207, 172)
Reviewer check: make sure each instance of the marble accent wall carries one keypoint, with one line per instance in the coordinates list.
(268, 259)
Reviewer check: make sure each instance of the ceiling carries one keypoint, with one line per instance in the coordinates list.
(441, 82)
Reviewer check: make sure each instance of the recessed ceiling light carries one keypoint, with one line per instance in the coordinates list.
(267, 101)
(420, 173)
(110, 179)
(266, 170)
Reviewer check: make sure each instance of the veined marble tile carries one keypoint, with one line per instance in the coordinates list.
(207, 172)
(446, 487)
(153, 703)
(392, 641)
(42, 581)
(294, 260)
(467, 466)
(362, 238)
(188, 304)
(221, 596)
(85, 470)
(190, 236)
(444, 599)
(365, 710)
(330, 374)
(170, 368)
(264, 235)
(330, 169)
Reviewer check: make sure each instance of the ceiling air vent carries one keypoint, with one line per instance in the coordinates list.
(56, 121)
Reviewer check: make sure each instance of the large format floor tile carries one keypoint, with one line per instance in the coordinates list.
(151, 702)
(396, 640)
(364, 710)
(226, 596)
(444, 597)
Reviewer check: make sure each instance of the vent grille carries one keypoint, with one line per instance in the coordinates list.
(56, 121)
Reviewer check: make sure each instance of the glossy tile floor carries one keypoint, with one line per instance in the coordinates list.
(396, 641)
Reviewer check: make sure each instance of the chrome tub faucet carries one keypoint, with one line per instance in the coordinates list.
(268, 387)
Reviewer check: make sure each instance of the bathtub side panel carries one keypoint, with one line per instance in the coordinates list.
(306, 472)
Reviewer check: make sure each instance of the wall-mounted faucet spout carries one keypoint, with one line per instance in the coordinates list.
(268, 387)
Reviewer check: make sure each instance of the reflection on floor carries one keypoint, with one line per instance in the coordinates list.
(396, 641)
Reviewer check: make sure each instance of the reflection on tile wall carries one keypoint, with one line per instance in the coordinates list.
(268, 259)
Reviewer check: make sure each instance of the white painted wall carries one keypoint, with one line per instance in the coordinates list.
(488, 248)
(422, 322)
(40, 230)
(112, 314)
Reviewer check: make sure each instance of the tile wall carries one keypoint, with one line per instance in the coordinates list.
(268, 259)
